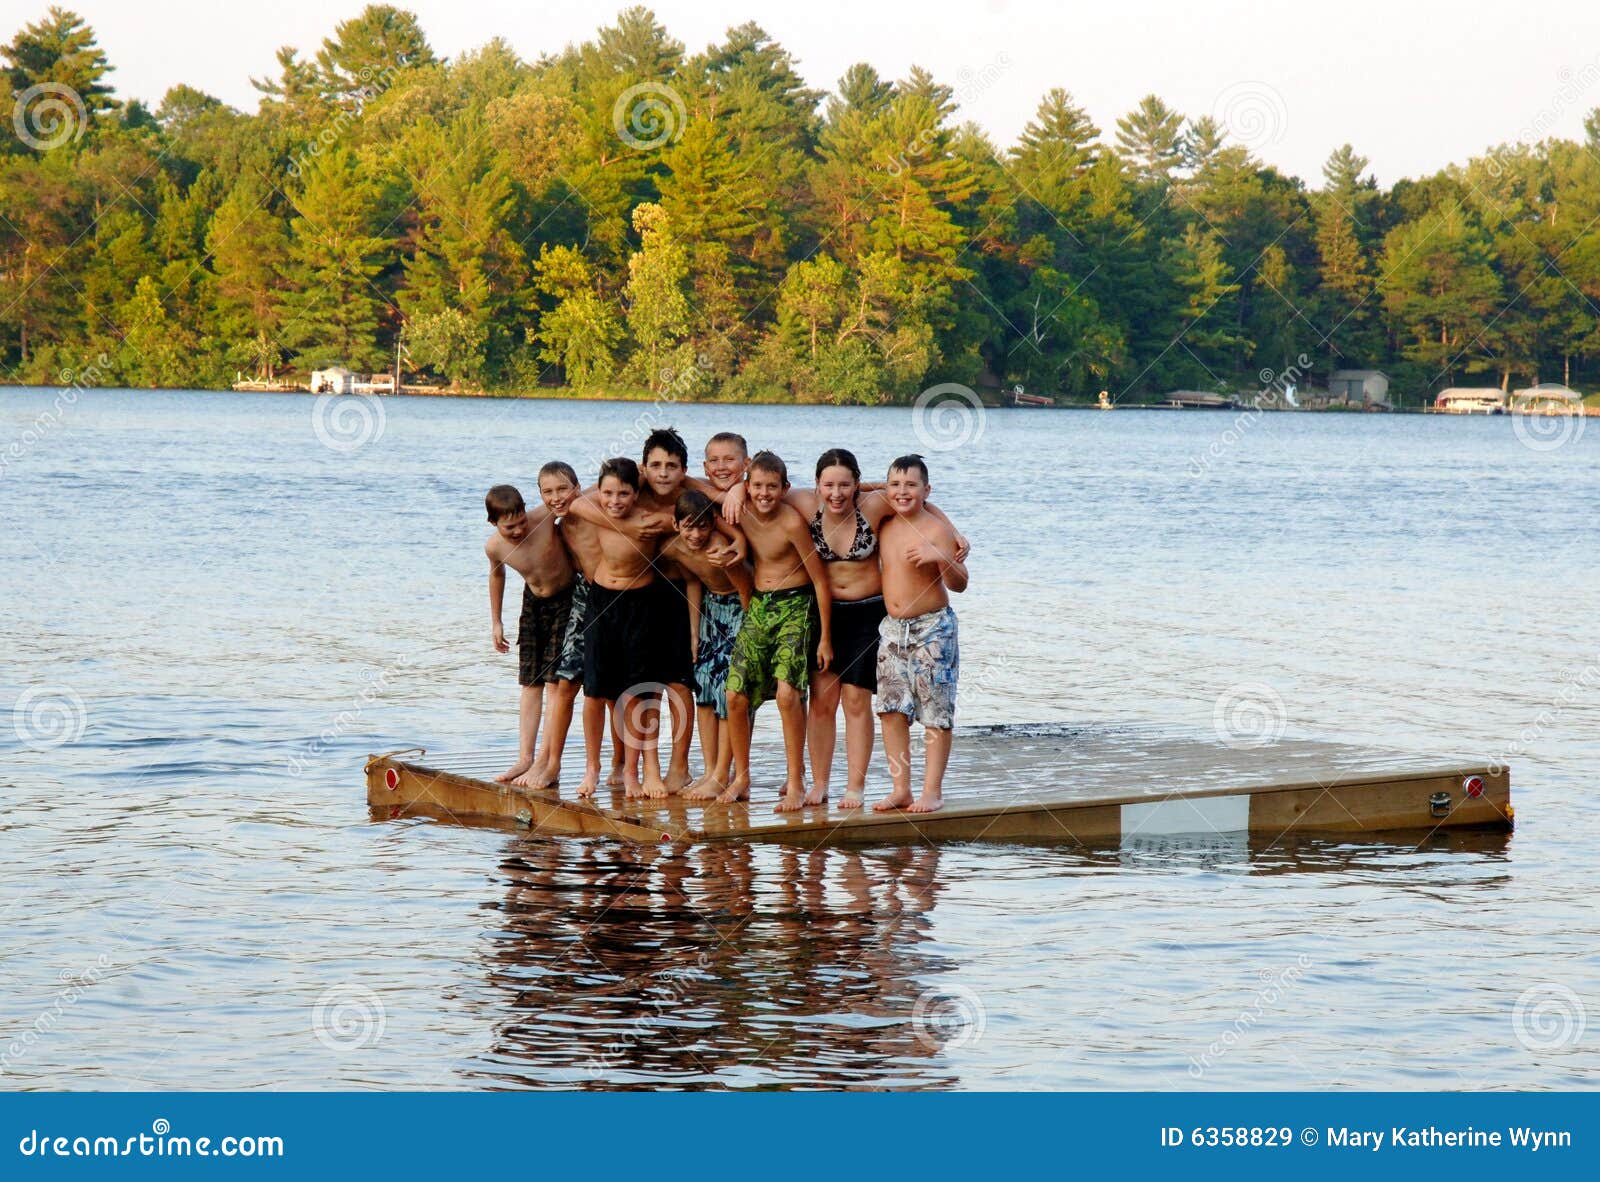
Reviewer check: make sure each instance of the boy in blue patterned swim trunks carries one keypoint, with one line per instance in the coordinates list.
(718, 593)
(919, 655)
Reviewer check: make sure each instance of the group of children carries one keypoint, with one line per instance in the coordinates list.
(720, 594)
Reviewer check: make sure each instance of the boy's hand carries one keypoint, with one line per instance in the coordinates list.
(733, 504)
(723, 556)
(925, 553)
(500, 645)
(963, 547)
(824, 654)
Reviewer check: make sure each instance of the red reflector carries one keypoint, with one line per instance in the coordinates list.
(666, 837)
(392, 778)
(1473, 786)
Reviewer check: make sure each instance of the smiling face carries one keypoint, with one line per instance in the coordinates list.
(906, 490)
(557, 492)
(725, 464)
(696, 534)
(837, 488)
(513, 527)
(766, 490)
(663, 471)
(617, 496)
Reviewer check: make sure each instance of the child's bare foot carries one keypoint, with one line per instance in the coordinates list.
(549, 778)
(616, 779)
(817, 796)
(793, 797)
(655, 787)
(633, 790)
(898, 799)
(509, 776)
(926, 804)
(591, 783)
(705, 788)
(531, 777)
(678, 778)
(852, 798)
(736, 791)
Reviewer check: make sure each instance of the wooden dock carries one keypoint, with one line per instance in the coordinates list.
(1090, 785)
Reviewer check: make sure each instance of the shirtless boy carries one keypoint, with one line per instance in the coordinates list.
(771, 655)
(621, 650)
(727, 458)
(529, 544)
(918, 655)
(718, 597)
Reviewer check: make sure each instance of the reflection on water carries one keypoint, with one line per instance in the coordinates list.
(628, 967)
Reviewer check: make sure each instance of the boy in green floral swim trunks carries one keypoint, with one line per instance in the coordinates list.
(790, 607)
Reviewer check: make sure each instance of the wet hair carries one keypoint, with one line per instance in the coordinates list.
(730, 437)
(669, 441)
(623, 469)
(910, 463)
(560, 468)
(838, 457)
(770, 463)
(694, 507)
(503, 500)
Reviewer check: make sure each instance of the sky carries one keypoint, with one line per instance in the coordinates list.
(1414, 86)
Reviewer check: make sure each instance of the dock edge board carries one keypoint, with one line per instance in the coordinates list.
(1407, 801)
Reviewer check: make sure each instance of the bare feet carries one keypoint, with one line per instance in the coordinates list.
(509, 776)
(898, 799)
(591, 782)
(738, 790)
(927, 804)
(531, 777)
(793, 799)
(852, 798)
(633, 790)
(705, 788)
(655, 787)
(678, 778)
(550, 778)
(817, 796)
(616, 778)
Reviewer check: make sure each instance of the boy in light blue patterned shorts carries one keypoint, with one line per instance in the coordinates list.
(919, 657)
(919, 661)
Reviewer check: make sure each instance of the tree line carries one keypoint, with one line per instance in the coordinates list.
(625, 214)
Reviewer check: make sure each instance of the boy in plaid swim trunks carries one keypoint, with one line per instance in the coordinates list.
(918, 654)
(790, 607)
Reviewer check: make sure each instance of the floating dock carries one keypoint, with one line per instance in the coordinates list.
(1089, 785)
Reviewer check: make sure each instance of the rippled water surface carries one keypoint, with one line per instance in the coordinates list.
(225, 602)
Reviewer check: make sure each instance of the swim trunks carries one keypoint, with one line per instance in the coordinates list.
(541, 630)
(570, 666)
(774, 644)
(918, 663)
(855, 640)
(675, 653)
(720, 617)
(620, 651)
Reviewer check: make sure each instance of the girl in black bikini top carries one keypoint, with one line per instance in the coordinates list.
(864, 545)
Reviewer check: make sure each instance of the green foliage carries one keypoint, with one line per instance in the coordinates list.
(624, 217)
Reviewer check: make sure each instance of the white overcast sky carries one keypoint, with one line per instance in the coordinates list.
(1413, 85)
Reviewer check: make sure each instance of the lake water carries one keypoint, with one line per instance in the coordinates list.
(215, 605)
